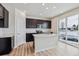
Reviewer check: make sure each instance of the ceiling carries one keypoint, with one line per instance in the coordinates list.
(45, 10)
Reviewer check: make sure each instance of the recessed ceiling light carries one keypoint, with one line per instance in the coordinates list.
(40, 13)
(47, 8)
(25, 3)
(43, 4)
(54, 7)
(61, 11)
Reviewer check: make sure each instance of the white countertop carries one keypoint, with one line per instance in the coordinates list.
(44, 35)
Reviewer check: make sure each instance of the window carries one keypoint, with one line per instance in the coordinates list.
(4, 14)
(68, 29)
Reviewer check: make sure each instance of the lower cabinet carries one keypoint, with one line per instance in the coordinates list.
(5, 45)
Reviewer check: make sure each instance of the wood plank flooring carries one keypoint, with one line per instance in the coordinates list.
(19, 51)
(22, 50)
(61, 50)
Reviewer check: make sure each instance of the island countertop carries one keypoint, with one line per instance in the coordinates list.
(44, 35)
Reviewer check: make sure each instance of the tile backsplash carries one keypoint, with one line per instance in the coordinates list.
(33, 30)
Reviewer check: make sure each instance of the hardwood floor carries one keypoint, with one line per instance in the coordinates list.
(22, 50)
(61, 50)
(19, 51)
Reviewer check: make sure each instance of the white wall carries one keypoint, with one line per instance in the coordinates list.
(20, 28)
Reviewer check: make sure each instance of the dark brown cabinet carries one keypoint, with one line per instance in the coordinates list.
(37, 23)
(5, 45)
(4, 15)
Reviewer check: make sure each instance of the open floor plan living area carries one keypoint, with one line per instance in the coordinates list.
(39, 29)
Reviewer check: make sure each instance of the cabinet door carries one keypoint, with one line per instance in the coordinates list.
(30, 23)
(1, 12)
(33, 23)
(49, 24)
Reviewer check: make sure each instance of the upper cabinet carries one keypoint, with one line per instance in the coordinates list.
(37, 23)
(4, 15)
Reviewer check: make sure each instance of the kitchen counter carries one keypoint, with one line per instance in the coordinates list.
(42, 35)
(45, 41)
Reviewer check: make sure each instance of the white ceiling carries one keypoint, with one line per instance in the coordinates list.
(45, 10)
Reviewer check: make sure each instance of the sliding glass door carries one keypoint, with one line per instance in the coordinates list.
(72, 30)
(68, 30)
(62, 29)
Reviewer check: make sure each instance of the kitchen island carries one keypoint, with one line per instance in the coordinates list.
(45, 41)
